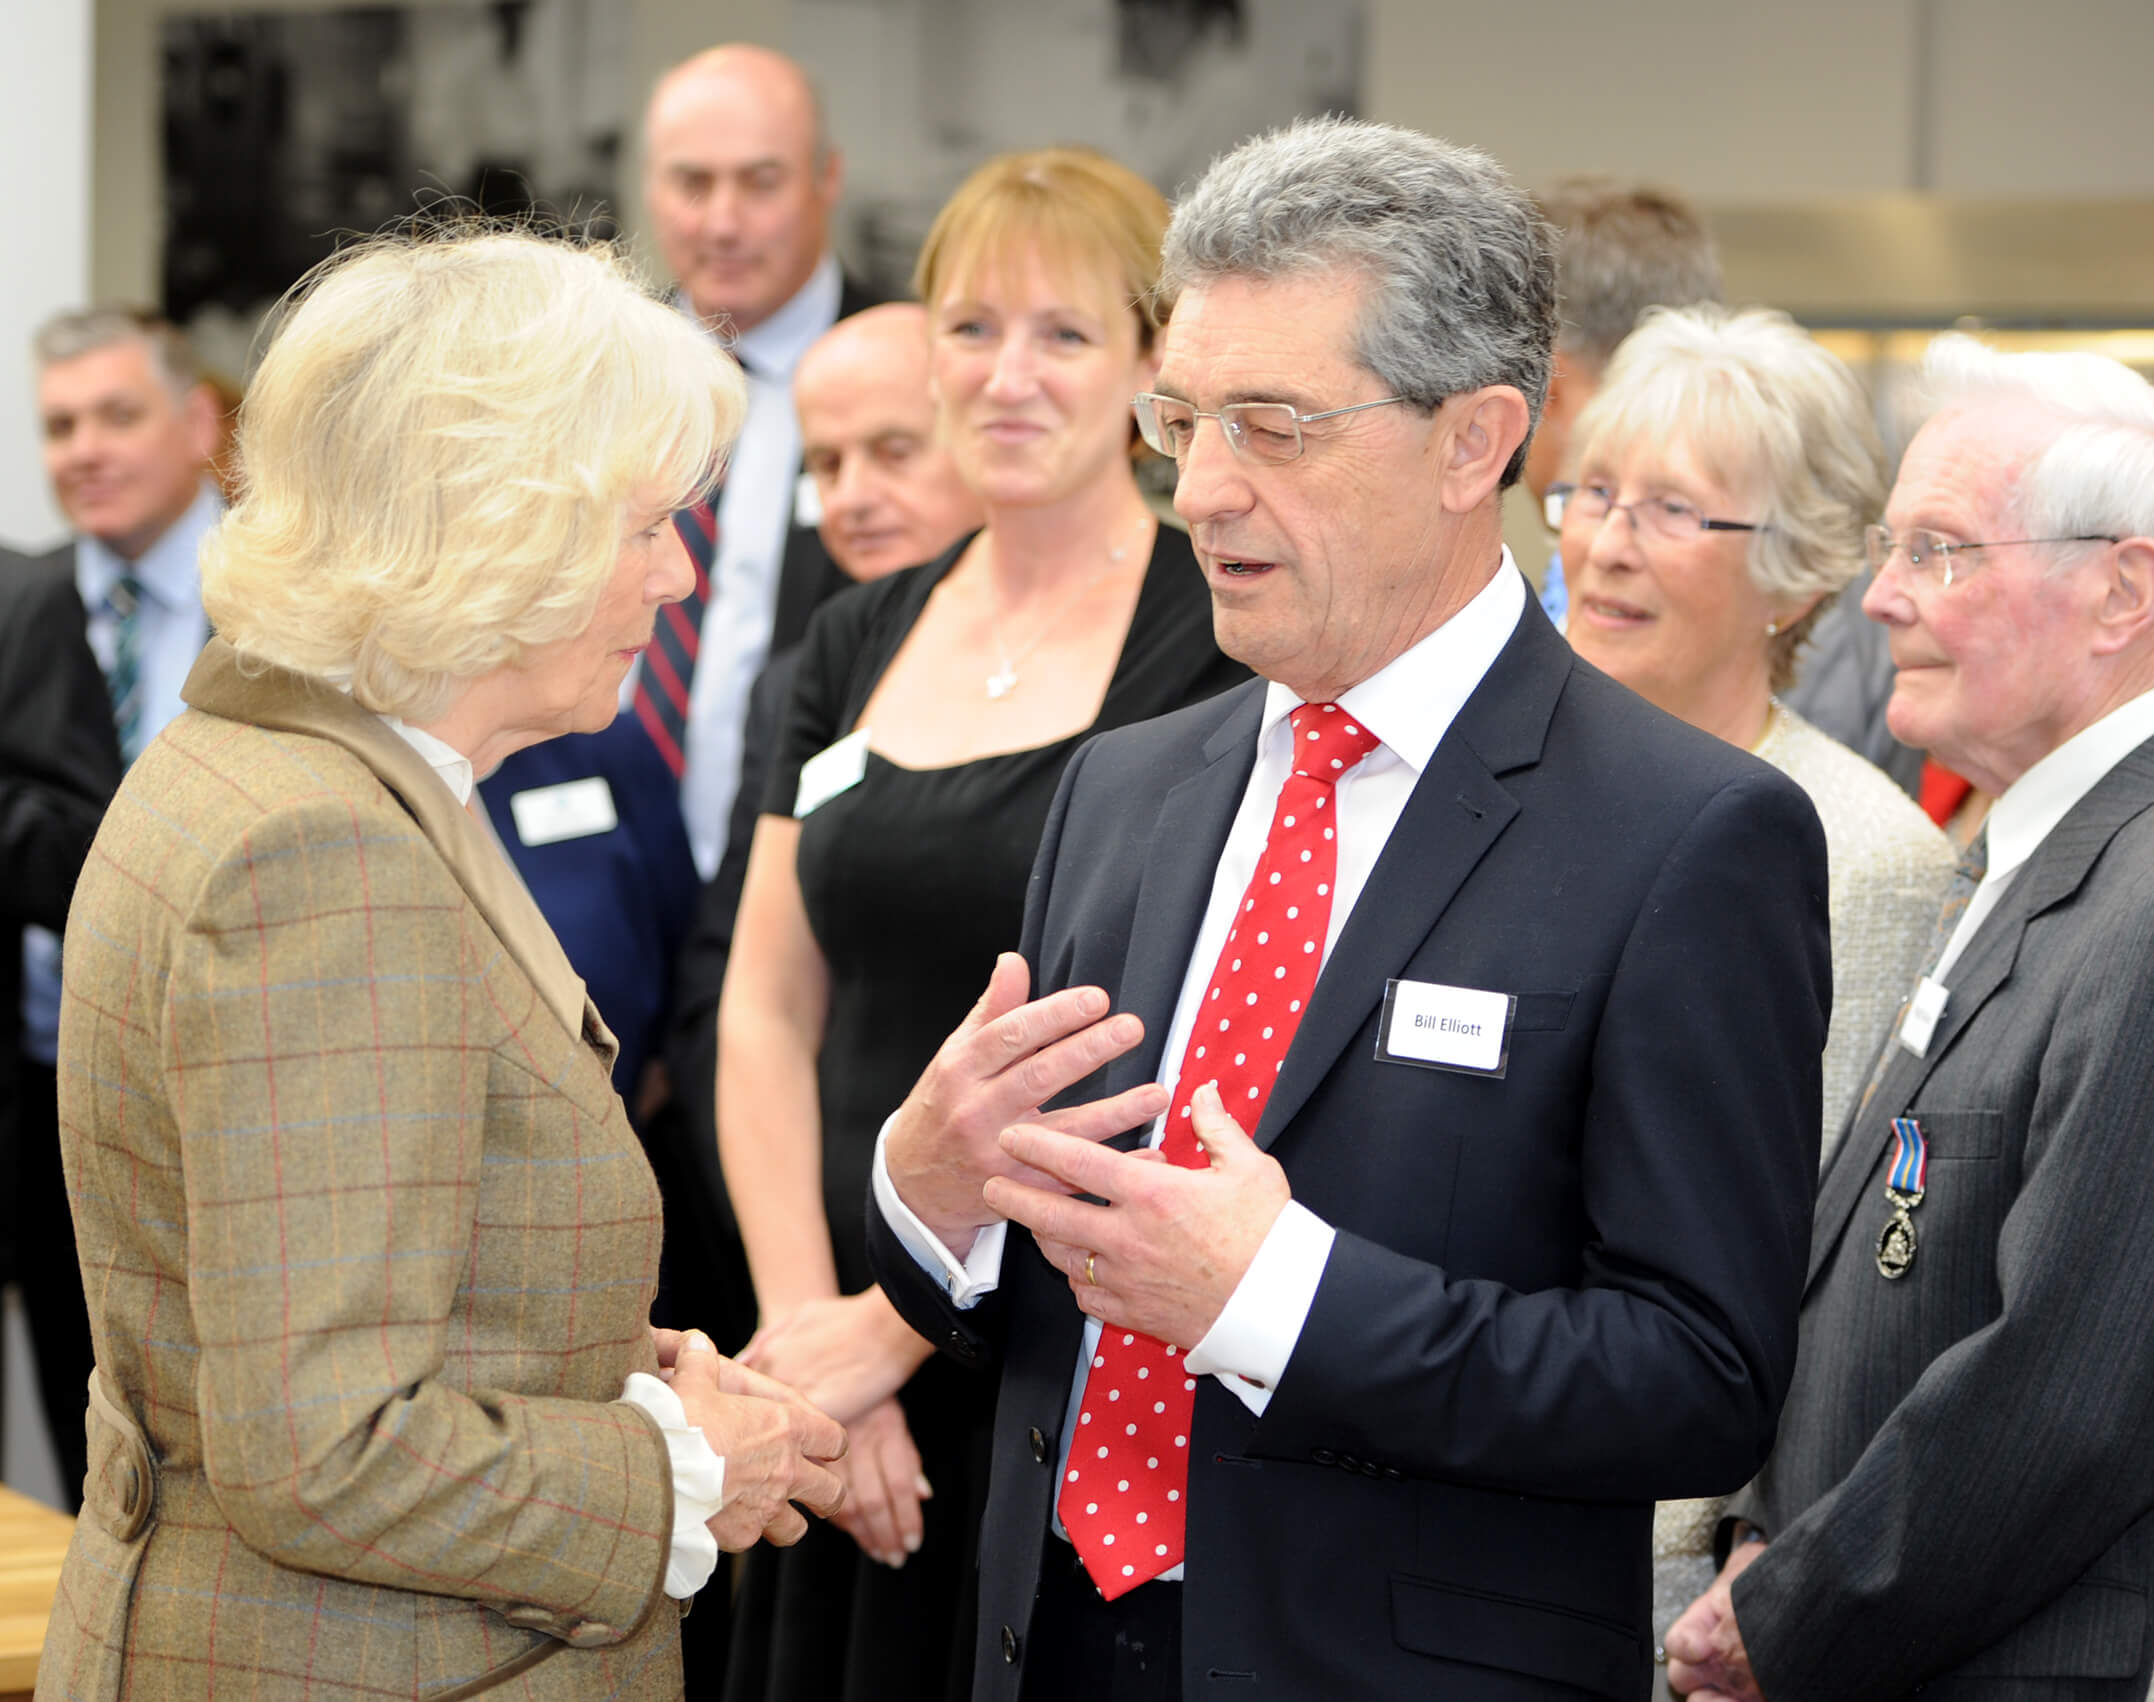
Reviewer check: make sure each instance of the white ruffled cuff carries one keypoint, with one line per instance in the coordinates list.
(698, 1485)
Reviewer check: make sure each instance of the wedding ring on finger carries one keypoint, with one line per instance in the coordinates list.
(1090, 1275)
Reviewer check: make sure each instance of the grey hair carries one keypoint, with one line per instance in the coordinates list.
(82, 331)
(1769, 413)
(1624, 248)
(1461, 269)
(2096, 475)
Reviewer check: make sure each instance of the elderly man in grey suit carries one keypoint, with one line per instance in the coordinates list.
(1961, 1497)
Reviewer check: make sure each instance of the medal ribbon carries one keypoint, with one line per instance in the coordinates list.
(1911, 1163)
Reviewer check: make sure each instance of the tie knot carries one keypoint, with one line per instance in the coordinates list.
(1328, 741)
(125, 596)
(1974, 861)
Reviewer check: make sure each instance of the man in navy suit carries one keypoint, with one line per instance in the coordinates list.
(1484, 1041)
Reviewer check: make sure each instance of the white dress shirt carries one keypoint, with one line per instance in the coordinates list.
(755, 516)
(1409, 705)
(698, 1472)
(170, 630)
(2029, 809)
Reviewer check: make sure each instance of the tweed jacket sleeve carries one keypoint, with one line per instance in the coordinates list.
(344, 1074)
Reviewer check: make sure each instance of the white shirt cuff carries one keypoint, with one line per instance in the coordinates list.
(1253, 1337)
(698, 1485)
(969, 1280)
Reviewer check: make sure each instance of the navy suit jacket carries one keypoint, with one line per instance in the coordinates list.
(1554, 1297)
(59, 764)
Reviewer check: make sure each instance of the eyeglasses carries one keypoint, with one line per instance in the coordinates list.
(1267, 433)
(1929, 553)
(1664, 519)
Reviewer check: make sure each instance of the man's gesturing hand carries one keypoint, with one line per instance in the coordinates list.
(1170, 1248)
(775, 1446)
(1006, 1059)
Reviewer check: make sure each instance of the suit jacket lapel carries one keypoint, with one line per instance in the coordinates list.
(1176, 883)
(1981, 970)
(1457, 811)
(283, 701)
(2059, 866)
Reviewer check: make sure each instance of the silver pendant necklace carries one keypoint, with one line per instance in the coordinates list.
(1004, 679)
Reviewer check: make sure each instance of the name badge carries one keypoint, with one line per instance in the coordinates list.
(575, 809)
(1446, 1028)
(807, 501)
(829, 772)
(1923, 1013)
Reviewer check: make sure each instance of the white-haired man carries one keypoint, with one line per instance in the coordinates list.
(1465, 981)
(1961, 1498)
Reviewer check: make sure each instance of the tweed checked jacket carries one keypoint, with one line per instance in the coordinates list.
(368, 1243)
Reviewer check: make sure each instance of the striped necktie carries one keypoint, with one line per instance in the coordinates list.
(124, 679)
(669, 665)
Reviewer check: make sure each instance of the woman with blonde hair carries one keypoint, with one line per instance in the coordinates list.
(930, 722)
(368, 1244)
(1726, 471)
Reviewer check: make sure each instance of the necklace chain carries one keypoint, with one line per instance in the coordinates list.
(1005, 679)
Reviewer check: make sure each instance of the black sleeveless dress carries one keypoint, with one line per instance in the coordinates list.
(914, 879)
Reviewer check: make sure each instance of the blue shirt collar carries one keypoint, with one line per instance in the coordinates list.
(166, 571)
(772, 349)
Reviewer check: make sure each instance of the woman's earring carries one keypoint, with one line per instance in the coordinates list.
(1772, 629)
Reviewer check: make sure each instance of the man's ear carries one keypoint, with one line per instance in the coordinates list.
(1486, 427)
(2126, 614)
(203, 414)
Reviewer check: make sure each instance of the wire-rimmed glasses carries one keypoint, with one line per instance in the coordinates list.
(1663, 519)
(1267, 433)
(1932, 554)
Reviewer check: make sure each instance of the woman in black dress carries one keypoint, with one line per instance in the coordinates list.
(929, 725)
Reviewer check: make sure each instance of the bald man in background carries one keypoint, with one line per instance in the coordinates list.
(616, 832)
(740, 182)
(890, 498)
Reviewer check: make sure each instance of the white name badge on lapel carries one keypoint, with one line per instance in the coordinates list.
(1923, 1013)
(1446, 1028)
(575, 809)
(827, 773)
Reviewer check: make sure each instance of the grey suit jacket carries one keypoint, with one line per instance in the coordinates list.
(1961, 1498)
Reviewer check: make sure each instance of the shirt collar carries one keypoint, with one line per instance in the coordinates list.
(772, 349)
(1410, 702)
(453, 767)
(166, 571)
(2032, 806)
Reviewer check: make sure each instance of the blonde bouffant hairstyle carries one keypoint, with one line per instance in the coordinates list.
(438, 453)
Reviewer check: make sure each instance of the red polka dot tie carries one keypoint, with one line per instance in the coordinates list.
(1122, 1498)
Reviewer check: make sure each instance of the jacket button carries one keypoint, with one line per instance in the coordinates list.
(1009, 1645)
(591, 1634)
(1039, 1445)
(1324, 1457)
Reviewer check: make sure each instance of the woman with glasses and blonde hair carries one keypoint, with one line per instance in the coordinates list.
(930, 722)
(1726, 472)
